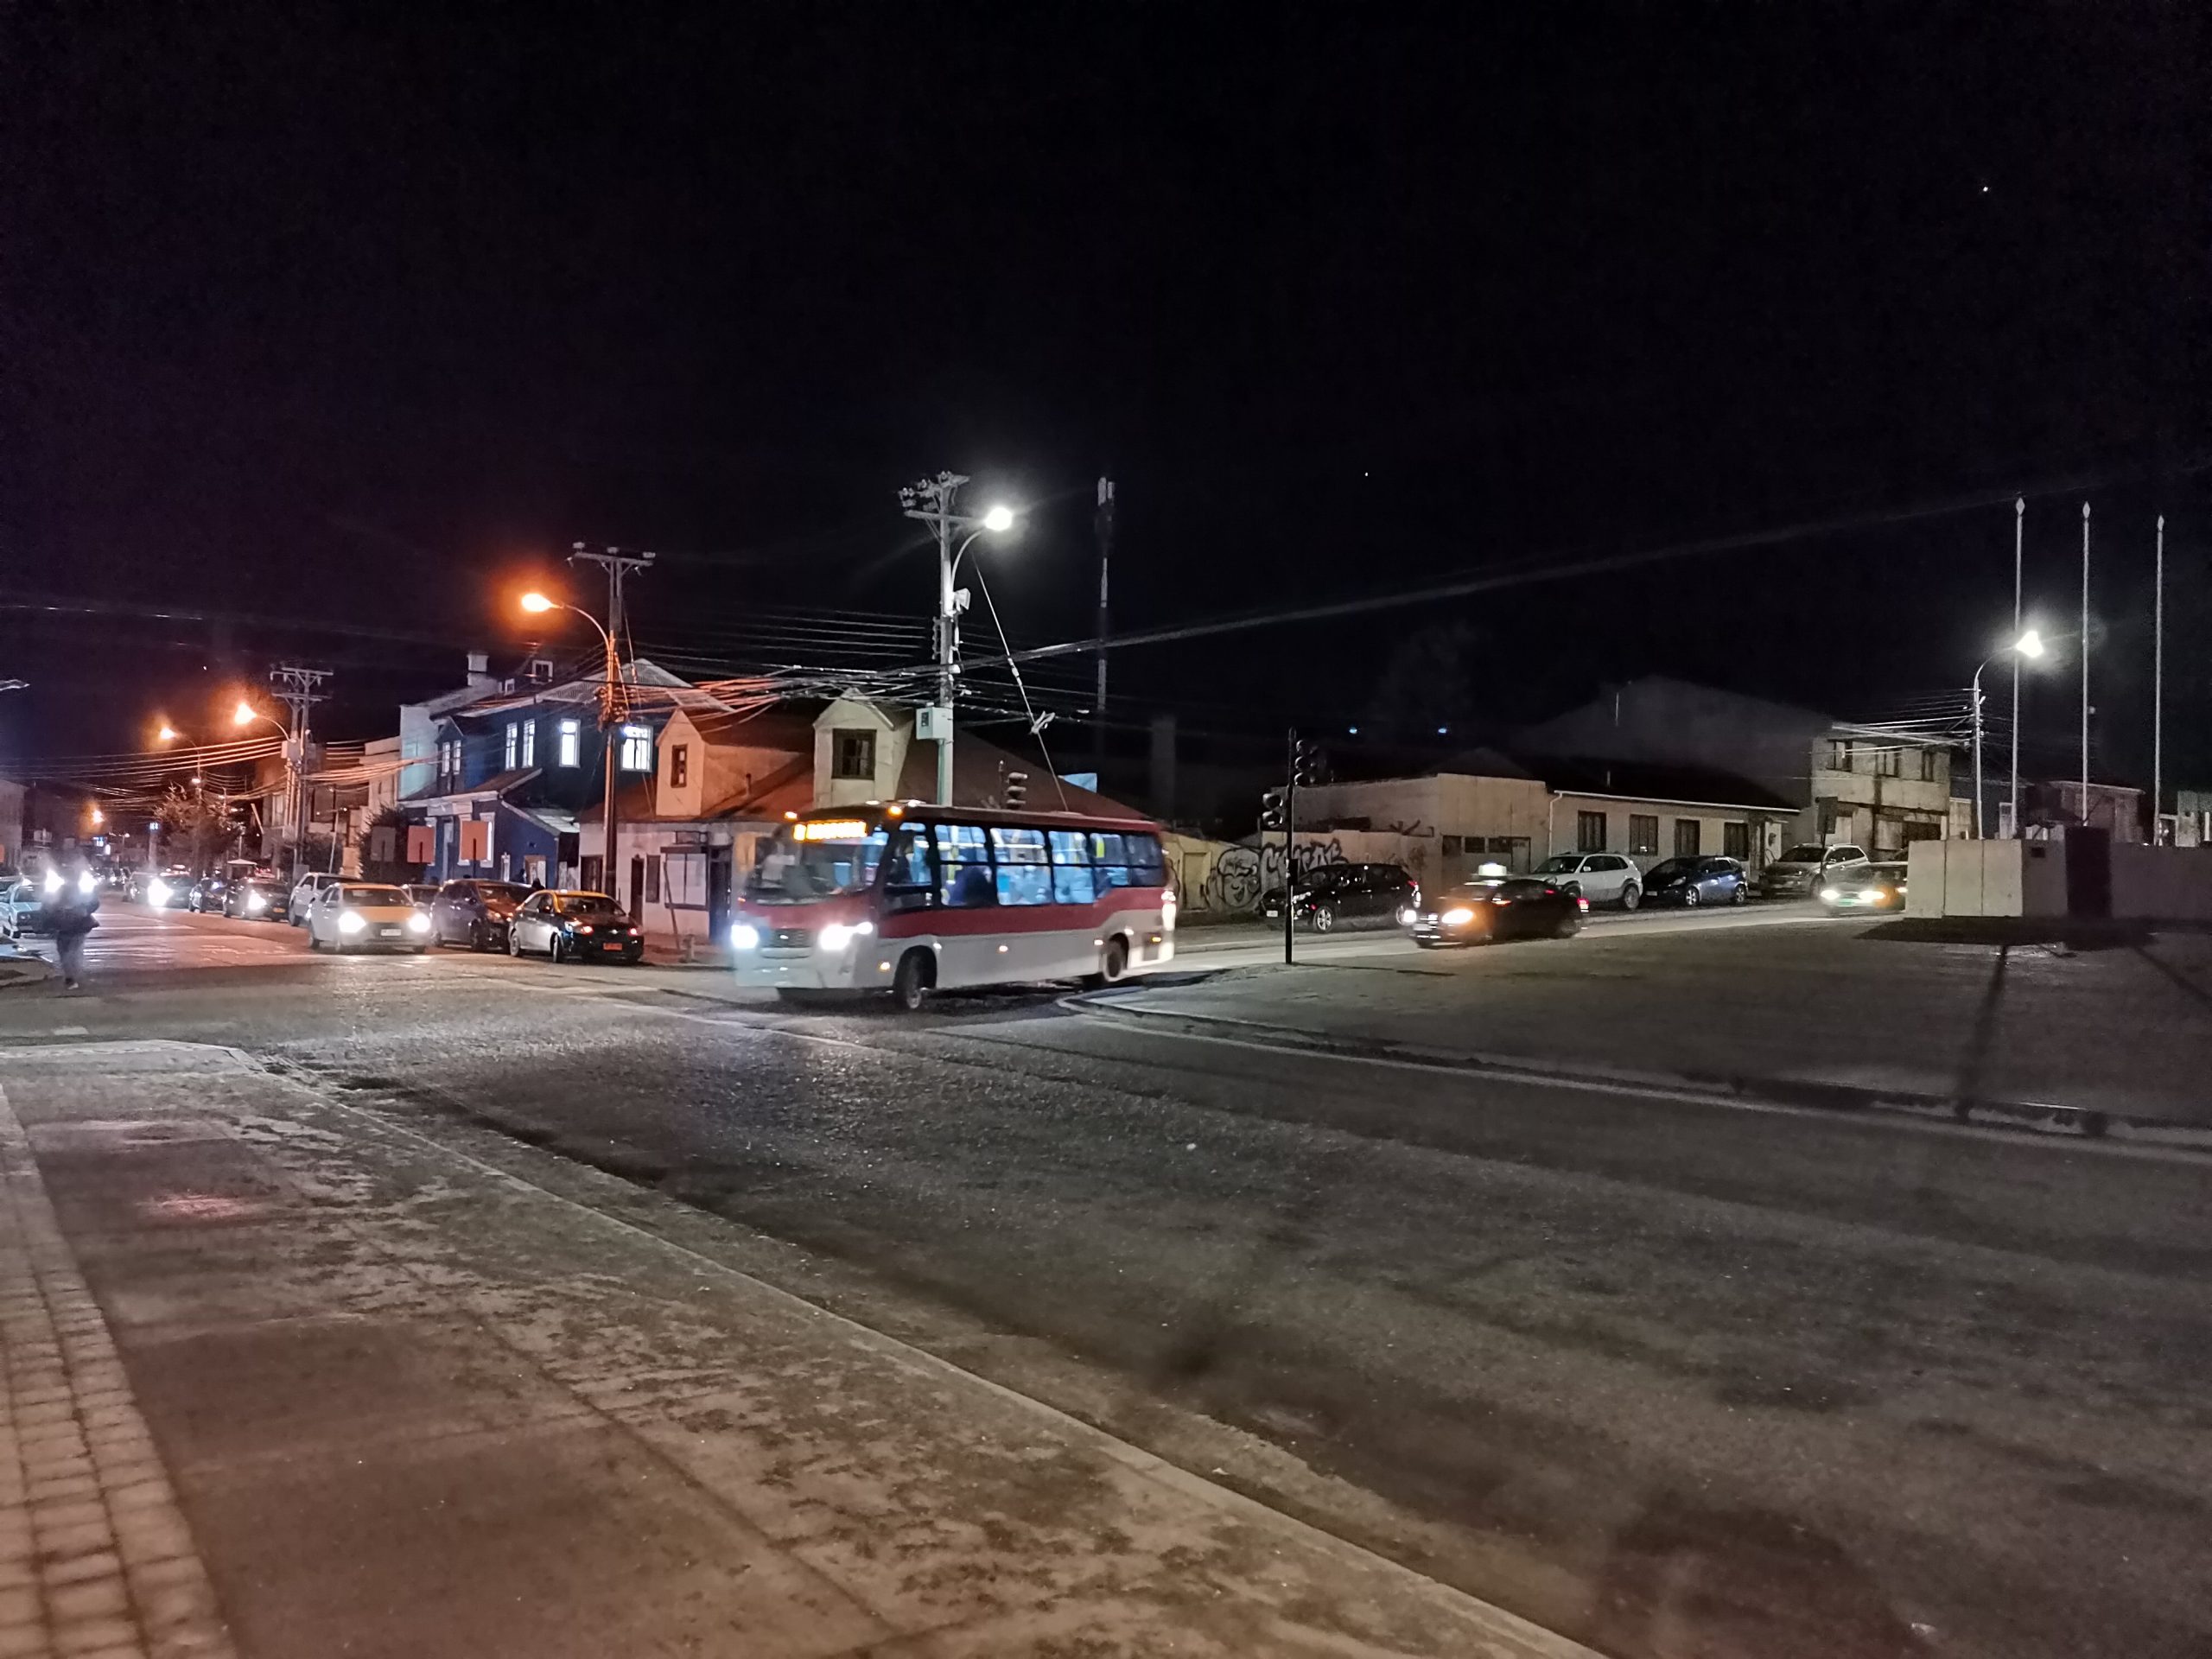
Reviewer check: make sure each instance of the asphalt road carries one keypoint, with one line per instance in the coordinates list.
(1676, 1378)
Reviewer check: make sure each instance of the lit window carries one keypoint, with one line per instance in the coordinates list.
(530, 742)
(514, 735)
(566, 755)
(637, 748)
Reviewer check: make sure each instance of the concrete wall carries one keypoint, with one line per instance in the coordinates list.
(1712, 822)
(2161, 884)
(1987, 878)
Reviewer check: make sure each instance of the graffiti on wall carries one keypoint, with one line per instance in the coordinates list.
(1214, 878)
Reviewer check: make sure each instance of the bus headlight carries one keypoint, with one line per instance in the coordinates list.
(349, 921)
(836, 936)
(745, 937)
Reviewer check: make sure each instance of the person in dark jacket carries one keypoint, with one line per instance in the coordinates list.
(70, 904)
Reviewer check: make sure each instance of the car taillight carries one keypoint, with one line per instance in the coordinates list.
(1581, 902)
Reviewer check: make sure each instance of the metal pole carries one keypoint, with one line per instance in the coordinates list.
(2159, 684)
(1978, 834)
(2085, 662)
(1289, 848)
(947, 621)
(2020, 519)
(1104, 525)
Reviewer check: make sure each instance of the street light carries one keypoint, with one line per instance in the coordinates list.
(538, 604)
(2029, 647)
(931, 501)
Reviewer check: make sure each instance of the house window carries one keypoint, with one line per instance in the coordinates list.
(514, 744)
(1686, 837)
(1642, 832)
(679, 766)
(652, 881)
(637, 748)
(852, 754)
(530, 742)
(566, 755)
(1889, 761)
(1928, 765)
(1825, 818)
(1839, 754)
(1589, 832)
(1735, 840)
(1450, 847)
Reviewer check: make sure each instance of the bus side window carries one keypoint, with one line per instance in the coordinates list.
(964, 861)
(1023, 875)
(907, 881)
(1110, 863)
(1071, 875)
(1145, 862)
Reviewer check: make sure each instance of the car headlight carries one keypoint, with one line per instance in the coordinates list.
(349, 921)
(53, 881)
(418, 923)
(1457, 916)
(581, 927)
(87, 883)
(1829, 895)
(254, 901)
(745, 937)
(1408, 917)
(158, 891)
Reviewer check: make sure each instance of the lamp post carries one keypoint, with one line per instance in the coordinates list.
(245, 715)
(2028, 647)
(169, 733)
(932, 502)
(538, 604)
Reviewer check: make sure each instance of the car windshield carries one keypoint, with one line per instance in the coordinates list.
(586, 904)
(1803, 853)
(1671, 868)
(507, 894)
(793, 869)
(1566, 864)
(374, 897)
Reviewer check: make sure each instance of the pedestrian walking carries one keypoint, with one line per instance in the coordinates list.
(72, 904)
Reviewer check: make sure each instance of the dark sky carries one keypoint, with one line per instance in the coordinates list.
(359, 314)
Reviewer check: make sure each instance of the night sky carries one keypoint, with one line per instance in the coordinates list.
(365, 317)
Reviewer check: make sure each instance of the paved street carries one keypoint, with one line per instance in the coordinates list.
(1669, 1377)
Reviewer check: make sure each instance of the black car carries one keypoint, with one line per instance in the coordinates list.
(1330, 896)
(474, 914)
(575, 926)
(1498, 907)
(1691, 882)
(258, 899)
(207, 894)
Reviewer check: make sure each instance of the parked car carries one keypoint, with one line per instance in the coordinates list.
(573, 927)
(306, 891)
(1602, 877)
(421, 894)
(1332, 896)
(1693, 881)
(25, 906)
(161, 888)
(365, 916)
(475, 913)
(1520, 906)
(1804, 869)
(258, 899)
(1862, 888)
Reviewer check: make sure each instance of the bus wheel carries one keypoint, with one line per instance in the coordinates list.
(1114, 964)
(910, 985)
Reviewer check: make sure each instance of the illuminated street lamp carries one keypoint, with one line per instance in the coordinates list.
(2028, 648)
(538, 604)
(931, 502)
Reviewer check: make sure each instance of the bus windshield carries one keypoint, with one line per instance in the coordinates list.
(792, 870)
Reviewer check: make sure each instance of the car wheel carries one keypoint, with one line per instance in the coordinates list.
(1631, 896)
(1573, 889)
(911, 984)
(1323, 919)
(557, 951)
(1569, 925)
(1740, 896)
(314, 943)
(1690, 899)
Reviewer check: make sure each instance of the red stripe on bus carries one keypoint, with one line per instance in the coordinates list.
(1020, 918)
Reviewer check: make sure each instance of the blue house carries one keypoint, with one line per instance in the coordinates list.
(510, 776)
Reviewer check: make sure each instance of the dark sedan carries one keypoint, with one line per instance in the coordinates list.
(475, 913)
(1500, 908)
(207, 894)
(1864, 886)
(1691, 882)
(575, 926)
(258, 898)
(1332, 896)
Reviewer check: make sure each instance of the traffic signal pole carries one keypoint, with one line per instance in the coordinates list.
(1290, 849)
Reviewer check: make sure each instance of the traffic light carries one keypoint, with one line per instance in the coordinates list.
(1272, 815)
(1308, 768)
(1017, 788)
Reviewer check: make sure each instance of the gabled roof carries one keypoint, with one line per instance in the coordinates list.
(979, 769)
(782, 727)
(1656, 782)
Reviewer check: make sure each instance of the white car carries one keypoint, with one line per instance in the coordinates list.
(1801, 871)
(366, 916)
(1602, 877)
(306, 891)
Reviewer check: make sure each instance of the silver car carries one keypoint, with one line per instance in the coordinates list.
(1800, 872)
(1602, 877)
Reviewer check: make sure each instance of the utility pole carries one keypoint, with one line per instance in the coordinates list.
(2085, 662)
(2019, 522)
(297, 689)
(2159, 684)
(1290, 847)
(1103, 525)
(613, 695)
(932, 501)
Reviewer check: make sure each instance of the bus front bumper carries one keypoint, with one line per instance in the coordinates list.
(809, 970)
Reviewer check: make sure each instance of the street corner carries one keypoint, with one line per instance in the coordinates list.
(22, 971)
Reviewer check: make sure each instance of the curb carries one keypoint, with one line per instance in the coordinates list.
(2046, 1118)
(19, 971)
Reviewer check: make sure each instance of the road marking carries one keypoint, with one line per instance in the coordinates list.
(71, 1031)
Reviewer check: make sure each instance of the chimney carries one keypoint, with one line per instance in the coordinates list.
(479, 671)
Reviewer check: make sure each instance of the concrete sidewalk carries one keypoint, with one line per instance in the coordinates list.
(285, 1377)
(1863, 1013)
